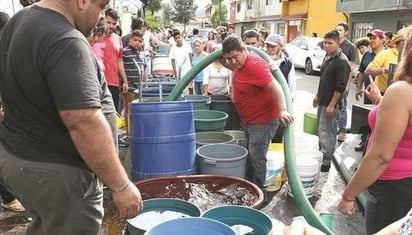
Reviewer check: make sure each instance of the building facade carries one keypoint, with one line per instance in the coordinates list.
(388, 15)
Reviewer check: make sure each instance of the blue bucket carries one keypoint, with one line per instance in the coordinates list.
(243, 220)
(190, 226)
(159, 210)
(163, 140)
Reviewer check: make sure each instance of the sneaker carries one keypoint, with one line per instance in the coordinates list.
(324, 168)
(360, 147)
(341, 136)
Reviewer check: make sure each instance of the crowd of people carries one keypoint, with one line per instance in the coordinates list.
(59, 140)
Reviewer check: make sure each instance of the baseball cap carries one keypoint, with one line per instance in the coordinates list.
(274, 39)
(377, 33)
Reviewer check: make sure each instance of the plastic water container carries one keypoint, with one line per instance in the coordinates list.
(200, 102)
(310, 123)
(209, 120)
(190, 226)
(162, 138)
(308, 170)
(317, 155)
(222, 159)
(274, 166)
(239, 137)
(242, 219)
(212, 137)
(158, 210)
(225, 104)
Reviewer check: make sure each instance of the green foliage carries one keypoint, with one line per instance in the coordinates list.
(155, 21)
(220, 15)
(153, 6)
(167, 12)
(183, 11)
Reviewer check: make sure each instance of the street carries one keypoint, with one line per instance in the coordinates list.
(282, 207)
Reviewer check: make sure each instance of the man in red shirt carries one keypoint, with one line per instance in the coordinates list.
(260, 102)
(113, 68)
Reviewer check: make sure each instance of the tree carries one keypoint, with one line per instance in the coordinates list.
(167, 12)
(183, 11)
(154, 20)
(219, 16)
(153, 6)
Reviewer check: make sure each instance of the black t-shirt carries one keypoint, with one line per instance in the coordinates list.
(46, 65)
(334, 75)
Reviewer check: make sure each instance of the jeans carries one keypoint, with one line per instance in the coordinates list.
(115, 91)
(343, 115)
(327, 133)
(198, 88)
(60, 199)
(387, 202)
(257, 140)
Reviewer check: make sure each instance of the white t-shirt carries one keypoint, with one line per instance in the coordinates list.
(181, 55)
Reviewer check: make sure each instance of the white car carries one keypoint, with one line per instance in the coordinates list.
(307, 53)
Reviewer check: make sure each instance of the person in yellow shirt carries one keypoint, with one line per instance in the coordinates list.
(379, 67)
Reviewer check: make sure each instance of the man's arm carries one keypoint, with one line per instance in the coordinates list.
(91, 134)
(122, 75)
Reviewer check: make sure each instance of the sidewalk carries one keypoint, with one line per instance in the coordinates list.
(330, 186)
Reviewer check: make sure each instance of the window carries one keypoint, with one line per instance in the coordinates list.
(239, 7)
(249, 4)
(360, 30)
(269, 2)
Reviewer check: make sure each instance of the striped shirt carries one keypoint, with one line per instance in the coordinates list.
(134, 65)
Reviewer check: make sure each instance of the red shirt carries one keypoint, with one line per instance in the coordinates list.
(253, 100)
(112, 52)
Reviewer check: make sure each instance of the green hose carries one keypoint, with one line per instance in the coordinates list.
(300, 198)
(346, 174)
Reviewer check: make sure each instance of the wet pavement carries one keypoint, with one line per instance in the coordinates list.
(281, 207)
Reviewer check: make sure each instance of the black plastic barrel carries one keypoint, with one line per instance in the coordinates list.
(162, 137)
(225, 104)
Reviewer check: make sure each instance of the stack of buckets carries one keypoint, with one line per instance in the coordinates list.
(218, 152)
(275, 170)
(308, 168)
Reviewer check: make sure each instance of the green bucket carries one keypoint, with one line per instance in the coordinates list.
(243, 220)
(209, 120)
(310, 123)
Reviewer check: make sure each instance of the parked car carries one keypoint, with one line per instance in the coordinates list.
(307, 53)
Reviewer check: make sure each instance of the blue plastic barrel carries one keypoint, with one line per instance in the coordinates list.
(162, 137)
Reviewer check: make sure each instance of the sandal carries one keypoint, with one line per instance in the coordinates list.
(14, 206)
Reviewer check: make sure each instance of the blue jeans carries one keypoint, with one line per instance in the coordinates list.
(327, 134)
(198, 87)
(343, 115)
(257, 140)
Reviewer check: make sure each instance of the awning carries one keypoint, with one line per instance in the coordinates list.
(296, 16)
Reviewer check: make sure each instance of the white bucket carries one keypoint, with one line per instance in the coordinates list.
(274, 166)
(317, 155)
(308, 170)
